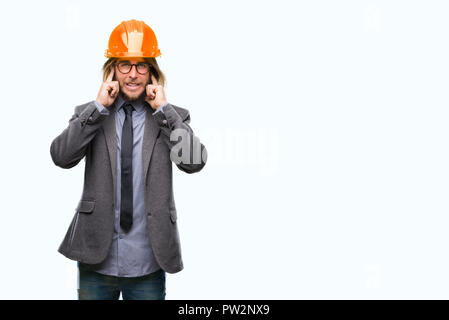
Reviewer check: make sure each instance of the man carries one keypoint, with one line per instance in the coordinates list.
(124, 234)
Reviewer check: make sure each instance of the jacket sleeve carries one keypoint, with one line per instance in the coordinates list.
(70, 146)
(186, 150)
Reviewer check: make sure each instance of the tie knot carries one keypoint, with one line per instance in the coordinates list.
(128, 109)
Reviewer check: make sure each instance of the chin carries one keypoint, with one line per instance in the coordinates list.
(132, 97)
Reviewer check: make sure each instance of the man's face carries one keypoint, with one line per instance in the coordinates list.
(132, 84)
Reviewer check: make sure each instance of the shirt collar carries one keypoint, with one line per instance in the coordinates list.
(139, 105)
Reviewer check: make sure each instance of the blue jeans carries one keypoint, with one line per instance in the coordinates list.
(96, 286)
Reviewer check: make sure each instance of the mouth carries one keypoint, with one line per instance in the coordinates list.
(132, 86)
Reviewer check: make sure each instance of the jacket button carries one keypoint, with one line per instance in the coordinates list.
(164, 121)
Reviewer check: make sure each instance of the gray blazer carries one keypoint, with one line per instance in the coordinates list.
(93, 136)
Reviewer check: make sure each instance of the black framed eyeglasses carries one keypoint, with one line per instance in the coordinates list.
(125, 67)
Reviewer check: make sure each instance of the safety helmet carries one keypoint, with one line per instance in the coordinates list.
(132, 39)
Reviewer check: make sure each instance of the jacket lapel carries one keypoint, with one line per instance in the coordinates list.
(111, 141)
(150, 134)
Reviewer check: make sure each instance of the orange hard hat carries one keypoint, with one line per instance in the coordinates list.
(132, 39)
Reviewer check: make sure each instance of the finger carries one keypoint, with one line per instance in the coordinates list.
(115, 90)
(111, 74)
(151, 89)
(153, 92)
(154, 80)
(111, 86)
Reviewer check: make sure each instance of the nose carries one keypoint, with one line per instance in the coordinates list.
(133, 72)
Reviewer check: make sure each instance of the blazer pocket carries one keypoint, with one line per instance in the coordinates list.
(173, 216)
(86, 206)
